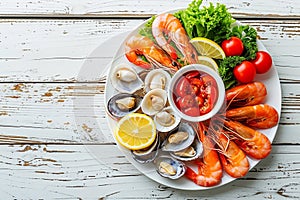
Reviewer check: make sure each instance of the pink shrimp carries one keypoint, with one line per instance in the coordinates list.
(233, 159)
(168, 24)
(257, 116)
(254, 143)
(246, 94)
(209, 167)
(141, 45)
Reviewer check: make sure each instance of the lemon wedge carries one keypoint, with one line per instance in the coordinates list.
(135, 131)
(204, 60)
(207, 47)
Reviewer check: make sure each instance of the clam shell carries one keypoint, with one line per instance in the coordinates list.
(125, 79)
(115, 111)
(196, 146)
(172, 147)
(147, 155)
(157, 78)
(169, 167)
(154, 101)
(160, 126)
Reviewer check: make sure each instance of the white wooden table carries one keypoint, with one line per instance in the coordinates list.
(46, 135)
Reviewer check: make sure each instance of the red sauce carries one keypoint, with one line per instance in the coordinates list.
(195, 93)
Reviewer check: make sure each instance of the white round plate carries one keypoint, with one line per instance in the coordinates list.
(270, 79)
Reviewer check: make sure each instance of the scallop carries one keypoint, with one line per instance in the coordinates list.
(147, 155)
(169, 167)
(122, 104)
(179, 138)
(154, 101)
(166, 120)
(125, 79)
(157, 78)
(192, 152)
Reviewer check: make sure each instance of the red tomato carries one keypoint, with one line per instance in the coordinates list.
(183, 87)
(199, 100)
(206, 107)
(192, 74)
(233, 47)
(262, 62)
(192, 111)
(186, 102)
(245, 72)
(196, 84)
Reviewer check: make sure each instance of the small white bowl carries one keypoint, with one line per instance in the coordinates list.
(220, 88)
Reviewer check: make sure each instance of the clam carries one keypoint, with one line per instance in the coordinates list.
(148, 154)
(180, 138)
(166, 120)
(157, 78)
(125, 79)
(121, 104)
(154, 101)
(192, 152)
(169, 167)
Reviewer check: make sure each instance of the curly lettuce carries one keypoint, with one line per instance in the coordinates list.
(212, 22)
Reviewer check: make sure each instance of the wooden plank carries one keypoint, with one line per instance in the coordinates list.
(72, 171)
(55, 50)
(75, 113)
(143, 8)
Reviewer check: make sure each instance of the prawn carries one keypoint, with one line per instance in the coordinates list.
(254, 143)
(233, 159)
(258, 116)
(246, 94)
(209, 166)
(141, 45)
(168, 24)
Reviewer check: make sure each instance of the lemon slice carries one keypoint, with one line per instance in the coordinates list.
(204, 60)
(135, 131)
(207, 47)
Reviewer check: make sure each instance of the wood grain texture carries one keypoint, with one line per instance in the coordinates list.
(144, 8)
(75, 113)
(52, 115)
(72, 172)
(55, 50)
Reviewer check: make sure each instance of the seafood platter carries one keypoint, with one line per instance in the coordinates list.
(176, 116)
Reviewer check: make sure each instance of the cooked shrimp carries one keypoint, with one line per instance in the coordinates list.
(168, 24)
(233, 159)
(246, 94)
(254, 143)
(257, 116)
(209, 166)
(140, 45)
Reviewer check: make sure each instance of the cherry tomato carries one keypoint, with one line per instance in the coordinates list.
(208, 80)
(244, 72)
(212, 91)
(199, 100)
(192, 111)
(196, 85)
(186, 102)
(183, 87)
(262, 62)
(233, 47)
(192, 74)
(206, 108)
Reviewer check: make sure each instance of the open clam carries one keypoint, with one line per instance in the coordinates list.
(157, 78)
(169, 167)
(180, 138)
(192, 152)
(166, 120)
(146, 155)
(154, 101)
(121, 104)
(125, 79)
